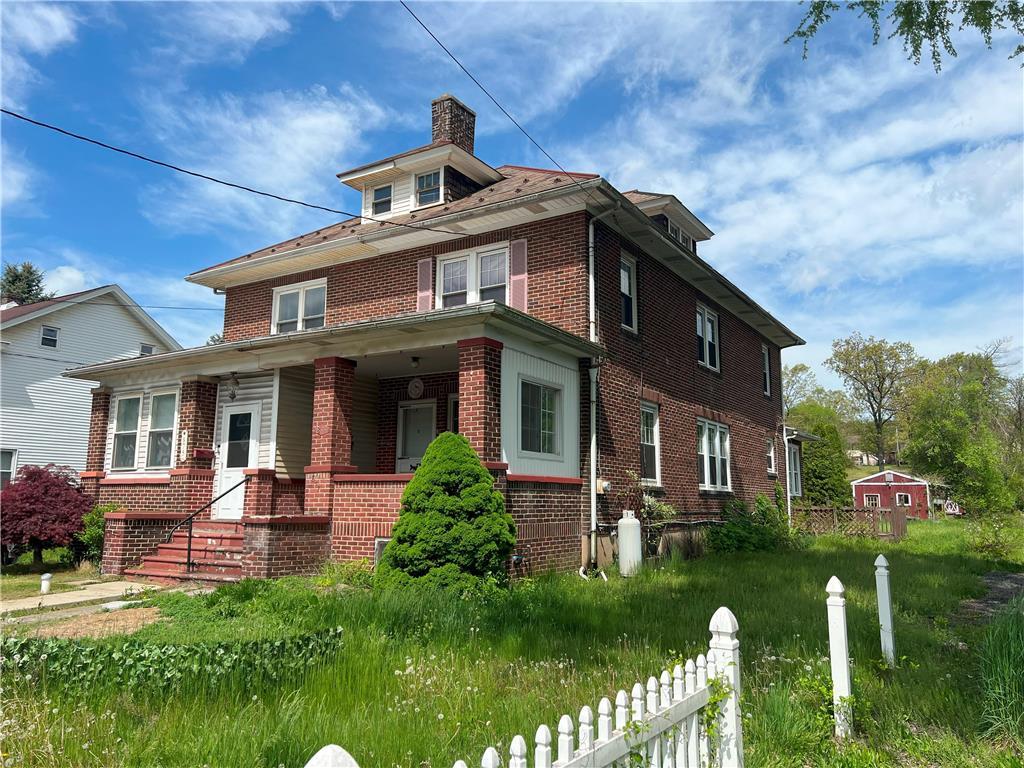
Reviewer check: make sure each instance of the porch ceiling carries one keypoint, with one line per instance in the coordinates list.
(387, 344)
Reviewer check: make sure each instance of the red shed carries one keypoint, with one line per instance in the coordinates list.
(893, 489)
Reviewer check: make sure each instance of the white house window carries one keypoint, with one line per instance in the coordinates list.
(146, 349)
(6, 467)
(707, 337)
(872, 500)
(627, 290)
(713, 470)
(472, 277)
(650, 450)
(162, 408)
(126, 432)
(766, 370)
(793, 467)
(49, 337)
(770, 456)
(428, 188)
(539, 418)
(674, 232)
(300, 307)
(382, 200)
(902, 499)
(453, 412)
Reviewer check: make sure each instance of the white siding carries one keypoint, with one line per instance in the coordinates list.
(258, 388)
(44, 416)
(535, 364)
(294, 419)
(401, 197)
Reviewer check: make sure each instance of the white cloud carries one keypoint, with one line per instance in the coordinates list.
(31, 30)
(289, 143)
(17, 179)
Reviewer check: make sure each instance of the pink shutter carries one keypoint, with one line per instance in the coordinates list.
(424, 294)
(517, 278)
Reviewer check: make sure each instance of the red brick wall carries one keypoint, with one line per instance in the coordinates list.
(365, 508)
(385, 286)
(127, 540)
(436, 386)
(548, 524)
(99, 420)
(284, 546)
(197, 414)
(288, 497)
(480, 396)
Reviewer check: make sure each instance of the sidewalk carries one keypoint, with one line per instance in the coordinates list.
(104, 590)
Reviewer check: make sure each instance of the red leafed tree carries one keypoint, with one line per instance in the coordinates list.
(43, 507)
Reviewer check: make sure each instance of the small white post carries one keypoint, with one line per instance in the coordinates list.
(44, 583)
(839, 654)
(491, 759)
(332, 756)
(885, 610)
(726, 649)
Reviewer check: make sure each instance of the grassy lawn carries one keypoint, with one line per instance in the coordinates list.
(21, 579)
(424, 681)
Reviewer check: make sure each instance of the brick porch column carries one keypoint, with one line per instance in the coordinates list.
(193, 472)
(99, 420)
(259, 492)
(330, 450)
(480, 397)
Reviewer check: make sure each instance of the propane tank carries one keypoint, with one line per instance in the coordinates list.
(629, 543)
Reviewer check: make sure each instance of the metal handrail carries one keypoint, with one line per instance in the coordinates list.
(192, 517)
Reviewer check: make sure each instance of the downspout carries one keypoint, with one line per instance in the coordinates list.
(789, 496)
(592, 317)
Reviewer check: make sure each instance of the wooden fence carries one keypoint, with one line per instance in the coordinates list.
(661, 724)
(874, 522)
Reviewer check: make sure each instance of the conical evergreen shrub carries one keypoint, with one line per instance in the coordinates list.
(452, 531)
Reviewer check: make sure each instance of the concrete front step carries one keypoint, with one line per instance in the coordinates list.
(207, 565)
(164, 576)
(200, 550)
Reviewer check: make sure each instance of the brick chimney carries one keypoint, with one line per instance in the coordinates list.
(451, 120)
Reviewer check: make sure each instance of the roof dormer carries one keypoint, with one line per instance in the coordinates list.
(674, 217)
(437, 173)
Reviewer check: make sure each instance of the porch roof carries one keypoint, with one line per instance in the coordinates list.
(357, 339)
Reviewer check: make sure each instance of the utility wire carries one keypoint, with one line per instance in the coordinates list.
(504, 111)
(214, 179)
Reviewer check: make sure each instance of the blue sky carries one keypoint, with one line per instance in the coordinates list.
(850, 191)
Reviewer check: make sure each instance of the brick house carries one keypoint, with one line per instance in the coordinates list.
(546, 316)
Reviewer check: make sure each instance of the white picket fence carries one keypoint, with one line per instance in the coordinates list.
(659, 725)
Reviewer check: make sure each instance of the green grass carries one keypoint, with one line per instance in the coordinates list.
(423, 681)
(21, 578)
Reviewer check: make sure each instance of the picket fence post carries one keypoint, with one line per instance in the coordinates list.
(839, 655)
(332, 756)
(885, 610)
(725, 646)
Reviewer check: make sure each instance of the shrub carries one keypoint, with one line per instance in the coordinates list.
(89, 540)
(824, 469)
(43, 507)
(452, 531)
(353, 573)
(741, 530)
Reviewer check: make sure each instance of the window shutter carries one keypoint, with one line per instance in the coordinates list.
(517, 282)
(424, 294)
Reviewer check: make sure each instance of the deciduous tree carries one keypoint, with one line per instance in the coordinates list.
(43, 507)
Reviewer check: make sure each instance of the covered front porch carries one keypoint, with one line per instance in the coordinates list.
(311, 437)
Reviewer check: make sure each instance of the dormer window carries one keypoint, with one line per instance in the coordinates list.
(428, 188)
(677, 234)
(382, 200)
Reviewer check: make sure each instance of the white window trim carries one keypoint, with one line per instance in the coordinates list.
(876, 496)
(707, 312)
(766, 369)
(717, 426)
(559, 420)
(14, 461)
(793, 460)
(429, 402)
(42, 328)
(143, 352)
(176, 391)
(472, 259)
(141, 396)
(625, 258)
(773, 467)
(391, 200)
(907, 495)
(453, 400)
(414, 202)
(654, 408)
(301, 288)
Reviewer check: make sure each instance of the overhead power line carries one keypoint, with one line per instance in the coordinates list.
(78, 300)
(214, 179)
(504, 111)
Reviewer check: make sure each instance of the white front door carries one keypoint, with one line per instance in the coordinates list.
(237, 451)
(417, 423)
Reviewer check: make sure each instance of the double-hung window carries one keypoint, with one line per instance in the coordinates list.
(627, 290)
(382, 200)
(539, 417)
(707, 337)
(126, 432)
(428, 188)
(770, 456)
(6, 468)
(766, 370)
(713, 471)
(472, 277)
(793, 467)
(162, 408)
(300, 307)
(650, 449)
(49, 337)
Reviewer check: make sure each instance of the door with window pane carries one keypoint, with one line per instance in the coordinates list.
(417, 425)
(236, 452)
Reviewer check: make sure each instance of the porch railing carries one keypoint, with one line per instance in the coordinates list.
(191, 518)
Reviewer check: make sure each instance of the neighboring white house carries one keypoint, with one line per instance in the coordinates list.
(44, 416)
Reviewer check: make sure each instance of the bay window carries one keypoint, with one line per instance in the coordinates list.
(300, 307)
(538, 408)
(126, 432)
(472, 277)
(713, 470)
(707, 337)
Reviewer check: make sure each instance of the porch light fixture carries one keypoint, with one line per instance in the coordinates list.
(414, 362)
(233, 386)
